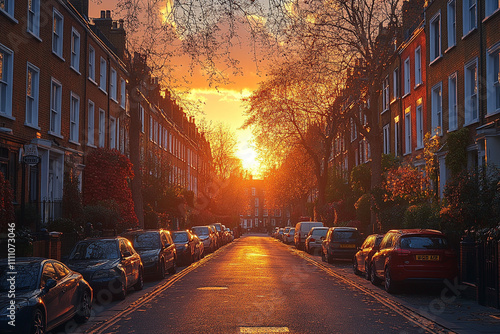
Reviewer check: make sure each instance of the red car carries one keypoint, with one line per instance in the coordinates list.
(413, 255)
(362, 259)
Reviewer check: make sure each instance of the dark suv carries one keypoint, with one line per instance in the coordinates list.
(340, 243)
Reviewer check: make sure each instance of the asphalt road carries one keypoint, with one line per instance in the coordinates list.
(256, 285)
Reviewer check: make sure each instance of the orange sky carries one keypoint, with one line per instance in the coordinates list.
(222, 104)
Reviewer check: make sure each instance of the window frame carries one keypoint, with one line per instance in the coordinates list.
(492, 81)
(435, 54)
(33, 27)
(74, 118)
(102, 128)
(468, 99)
(123, 93)
(418, 67)
(419, 121)
(490, 7)
(91, 64)
(451, 9)
(397, 127)
(453, 112)
(55, 110)
(436, 114)
(103, 68)
(408, 146)
(91, 123)
(35, 97)
(407, 76)
(9, 12)
(113, 84)
(75, 50)
(57, 36)
(112, 132)
(7, 62)
(467, 17)
(387, 138)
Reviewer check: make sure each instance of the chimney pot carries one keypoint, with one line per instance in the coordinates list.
(108, 14)
(103, 14)
(115, 24)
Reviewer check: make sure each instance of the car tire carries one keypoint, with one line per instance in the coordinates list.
(172, 270)
(373, 276)
(84, 308)
(139, 285)
(123, 290)
(367, 271)
(389, 284)
(355, 266)
(161, 270)
(38, 322)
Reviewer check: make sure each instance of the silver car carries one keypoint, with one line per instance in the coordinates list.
(206, 236)
(314, 239)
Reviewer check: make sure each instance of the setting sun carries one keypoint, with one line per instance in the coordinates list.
(246, 152)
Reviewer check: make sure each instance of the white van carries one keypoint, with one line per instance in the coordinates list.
(301, 230)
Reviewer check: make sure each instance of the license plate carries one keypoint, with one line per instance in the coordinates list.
(428, 257)
(347, 246)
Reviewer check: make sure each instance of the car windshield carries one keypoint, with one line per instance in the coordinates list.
(292, 231)
(201, 230)
(26, 276)
(217, 227)
(146, 241)
(180, 237)
(344, 235)
(424, 242)
(319, 232)
(95, 250)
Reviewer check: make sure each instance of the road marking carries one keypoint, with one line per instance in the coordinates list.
(264, 330)
(213, 288)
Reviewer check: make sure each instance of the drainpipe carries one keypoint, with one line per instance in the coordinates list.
(481, 82)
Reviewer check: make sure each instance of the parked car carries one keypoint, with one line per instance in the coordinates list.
(288, 236)
(285, 231)
(301, 231)
(198, 247)
(157, 251)
(314, 239)
(362, 260)
(274, 233)
(47, 294)
(217, 237)
(340, 243)
(218, 227)
(185, 244)
(108, 263)
(280, 233)
(207, 236)
(413, 255)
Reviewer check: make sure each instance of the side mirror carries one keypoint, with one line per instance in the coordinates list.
(51, 283)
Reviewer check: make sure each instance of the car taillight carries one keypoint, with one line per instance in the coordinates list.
(402, 252)
(312, 240)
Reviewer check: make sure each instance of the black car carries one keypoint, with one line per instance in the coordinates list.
(340, 243)
(110, 265)
(186, 246)
(47, 294)
(157, 251)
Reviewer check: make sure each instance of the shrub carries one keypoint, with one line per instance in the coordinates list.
(422, 216)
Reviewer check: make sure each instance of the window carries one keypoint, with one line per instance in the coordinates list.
(471, 98)
(491, 6)
(395, 84)
(396, 136)
(492, 79)
(123, 92)
(91, 63)
(112, 132)
(74, 117)
(113, 88)
(437, 109)
(6, 77)
(452, 102)
(141, 116)
(256, 211)
(387, 143)
(75, 50)
(33, 23)
(7, 7)
(91, 123)
(102, 75)
(470, 15)
(418, 66)
(57, 33)
(253, 192)
(151, 130)
(435, 37)
(452, 23)
(408, 130)
(420, 125)
(354, 130)
(102, 127)
(32, 84)
(55, 108)
(385, 94)
(407, 76)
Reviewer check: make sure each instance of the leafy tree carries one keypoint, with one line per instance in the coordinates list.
(408, 184)
(6, 207)
(72, 207)
(106, 178)
(456, 159)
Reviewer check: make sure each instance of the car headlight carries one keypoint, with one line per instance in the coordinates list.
(108, 273)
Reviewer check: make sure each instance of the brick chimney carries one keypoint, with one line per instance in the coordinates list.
(82, 6)
(113, 30)
(413, 14)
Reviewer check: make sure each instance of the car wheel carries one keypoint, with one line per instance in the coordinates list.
(38, 322)
(355, 266)
(173, 269)
(389, 284)
(84, 308)
(140, 282)
(373, 276)
(123, 289)
(367, 271)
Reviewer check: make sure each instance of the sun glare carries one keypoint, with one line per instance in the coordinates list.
(248, 158)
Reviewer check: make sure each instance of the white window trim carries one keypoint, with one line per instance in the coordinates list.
(437, 124)
(112, 132)
(57, 130)
(450, 78)
(75, 54)
(123, 93)
(451, 26)
(418, 67)
(91, 62)
(61, 40)
(9, 83)
(387, 139)
(490, 10)
(408, 134)
(10, 12)
(491, 108)
(102, 128)
(36, 19)
(141, 115)
(36, 97)
(397, 126)
(467, 30)
(113, 85)
(407, 77)
(91, 124)
(103, 75)
(419, 121)
(437, 16)
(395, 79)
(466, 109)
(74, 137)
